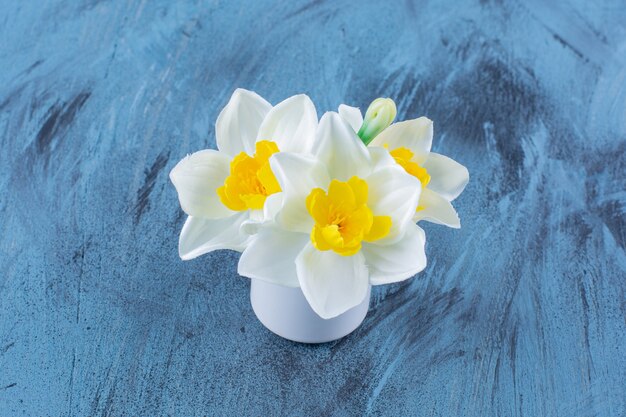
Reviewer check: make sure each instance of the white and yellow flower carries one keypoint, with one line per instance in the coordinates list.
(409, 142)
(223, 190)
(345, 221)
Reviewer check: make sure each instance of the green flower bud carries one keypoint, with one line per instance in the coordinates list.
(378, 117)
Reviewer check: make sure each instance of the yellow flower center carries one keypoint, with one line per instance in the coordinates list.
(251, 179)
(342, 218)
(403, 157)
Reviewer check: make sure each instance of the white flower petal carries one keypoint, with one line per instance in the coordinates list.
(448, 178)
(238, 123)
(196, 178)
(340, 149)
(297, 176)
(272, 206)
(200, 236)
(352, 115)
(436, 209)
(271, 255)
(265, 217)
(331, 283)
(416, 135)
(398, 261)
(392, 192)
(380, 158)
(291, 124)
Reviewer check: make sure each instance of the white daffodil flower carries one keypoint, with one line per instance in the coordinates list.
(344, 222)
(409, 142)
(222, 190)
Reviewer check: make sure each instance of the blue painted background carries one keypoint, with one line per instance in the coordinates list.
(522, 312)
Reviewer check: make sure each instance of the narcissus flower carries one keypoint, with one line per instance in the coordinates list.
(345, 221)
(225, 189)
(409, 143)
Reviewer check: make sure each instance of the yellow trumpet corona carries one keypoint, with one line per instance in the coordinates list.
(251, 179)
(342, 218)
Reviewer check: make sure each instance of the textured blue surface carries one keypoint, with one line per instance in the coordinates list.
(521, 312)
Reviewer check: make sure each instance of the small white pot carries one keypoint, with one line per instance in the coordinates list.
(287, 313)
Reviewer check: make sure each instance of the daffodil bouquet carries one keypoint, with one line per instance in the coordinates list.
(326, 207)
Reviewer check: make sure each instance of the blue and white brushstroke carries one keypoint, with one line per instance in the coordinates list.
(522, 312)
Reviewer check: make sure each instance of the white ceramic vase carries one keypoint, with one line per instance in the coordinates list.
(286, 312)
